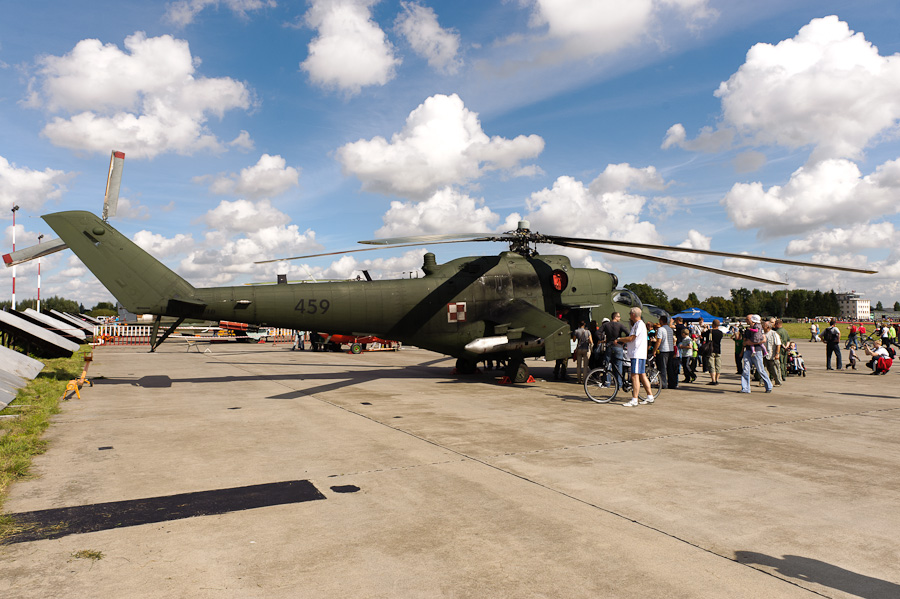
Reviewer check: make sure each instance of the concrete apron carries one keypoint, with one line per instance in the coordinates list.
(466, 488)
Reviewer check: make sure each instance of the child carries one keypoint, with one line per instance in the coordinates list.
(853, 359)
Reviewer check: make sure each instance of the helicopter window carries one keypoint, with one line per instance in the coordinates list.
(559, 279)
(626, 297)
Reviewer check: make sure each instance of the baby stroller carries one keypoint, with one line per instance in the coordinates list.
(795, 364)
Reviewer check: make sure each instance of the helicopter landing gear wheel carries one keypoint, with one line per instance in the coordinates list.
(355, 348)
(517, 371)
(464, 366)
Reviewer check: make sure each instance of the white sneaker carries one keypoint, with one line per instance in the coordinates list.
(646, 401)
(634, 402)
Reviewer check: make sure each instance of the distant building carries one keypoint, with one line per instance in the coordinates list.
(854, 307)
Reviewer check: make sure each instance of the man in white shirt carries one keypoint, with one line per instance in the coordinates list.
(636, 353)
(881, 359)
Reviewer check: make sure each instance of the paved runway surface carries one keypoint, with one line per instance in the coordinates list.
(385, 476)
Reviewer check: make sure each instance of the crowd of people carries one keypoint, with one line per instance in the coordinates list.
(682, 351)
(763, 349)
(878, 347)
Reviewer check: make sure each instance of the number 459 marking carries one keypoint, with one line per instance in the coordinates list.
(312, 306)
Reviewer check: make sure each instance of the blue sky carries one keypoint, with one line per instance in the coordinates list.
(257, 129)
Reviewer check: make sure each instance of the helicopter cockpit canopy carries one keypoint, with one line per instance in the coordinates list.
(627, 297)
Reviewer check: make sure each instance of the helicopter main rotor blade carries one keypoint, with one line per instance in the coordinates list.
(671, 248)
(430, 238)
(717, 271)
(383, 247)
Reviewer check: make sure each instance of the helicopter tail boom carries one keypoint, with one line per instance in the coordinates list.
(139, 281)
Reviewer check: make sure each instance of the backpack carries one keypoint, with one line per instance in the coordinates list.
(828, 336)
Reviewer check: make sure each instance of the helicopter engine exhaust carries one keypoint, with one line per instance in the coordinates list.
(501, 343)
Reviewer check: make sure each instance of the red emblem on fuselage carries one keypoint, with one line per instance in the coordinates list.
(456, 312)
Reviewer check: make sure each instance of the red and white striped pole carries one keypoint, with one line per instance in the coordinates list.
(41, 236)
(14, 210)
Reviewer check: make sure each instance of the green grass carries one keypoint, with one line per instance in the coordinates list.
(88, 554)
(800, 330)
(21, 437)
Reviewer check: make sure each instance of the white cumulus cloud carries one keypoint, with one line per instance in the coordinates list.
(831, 191)
(440, 47)
(350, 51)
(183, 12)
(695, 241)
(442, 143)
(348, 267)
(268, 178)
(29, 188)
(827, 87)
(446, 211)
(617, 177)
(221, 257)
(159, 246)
(585, 28)
(244, 216)
(241, 233)
(128, 208)
(145, 100)
(599, 210)
(862, 236)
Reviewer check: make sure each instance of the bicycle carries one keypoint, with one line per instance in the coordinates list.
(601, 385)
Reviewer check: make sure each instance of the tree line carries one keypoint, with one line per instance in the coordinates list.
(794, 303)
(61, 304)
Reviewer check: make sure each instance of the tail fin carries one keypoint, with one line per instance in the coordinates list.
(140, 282)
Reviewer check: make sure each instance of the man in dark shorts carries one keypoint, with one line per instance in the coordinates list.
(714, 337)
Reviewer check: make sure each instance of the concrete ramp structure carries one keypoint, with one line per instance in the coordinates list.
(65, 329)
(35, 339)
(89, 319)
(15, 371)
(81, 324)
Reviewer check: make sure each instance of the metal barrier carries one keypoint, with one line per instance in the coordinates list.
(131, 334)
(121, 334)
(281, 336)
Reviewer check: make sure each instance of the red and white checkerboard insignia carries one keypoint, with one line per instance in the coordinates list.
(456, 312)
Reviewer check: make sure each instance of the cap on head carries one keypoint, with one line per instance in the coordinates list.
(755, 319)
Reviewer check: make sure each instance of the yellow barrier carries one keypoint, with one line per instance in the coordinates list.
(76, 384)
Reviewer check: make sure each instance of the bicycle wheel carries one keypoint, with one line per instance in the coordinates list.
(655, 382)
(598, 388)
(869, 339)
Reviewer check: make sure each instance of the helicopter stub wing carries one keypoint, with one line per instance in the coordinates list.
(525, 326)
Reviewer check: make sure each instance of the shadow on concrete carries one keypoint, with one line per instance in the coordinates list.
(866, 395)
(59, 522)
(332, 380)
(823, 573)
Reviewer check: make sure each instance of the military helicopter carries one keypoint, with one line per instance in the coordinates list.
(508, 306)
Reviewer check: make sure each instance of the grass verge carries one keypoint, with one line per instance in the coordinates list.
(21, 437)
